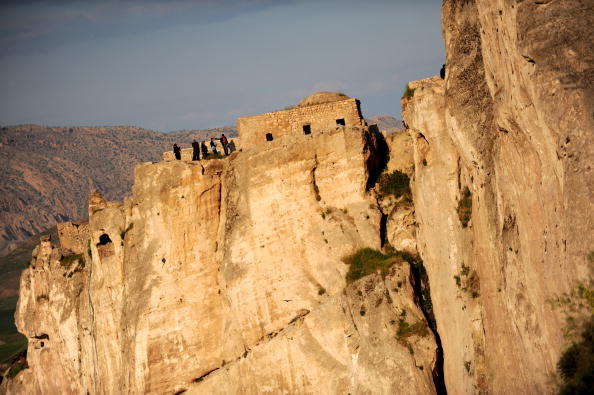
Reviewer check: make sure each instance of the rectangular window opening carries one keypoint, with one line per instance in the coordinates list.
(340, 122)
(306, 129)
(269, 137)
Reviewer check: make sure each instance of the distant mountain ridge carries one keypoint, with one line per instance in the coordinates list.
(386, 122)
(48, 171)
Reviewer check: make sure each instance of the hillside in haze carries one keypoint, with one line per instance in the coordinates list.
(386, 122)
(48, 171)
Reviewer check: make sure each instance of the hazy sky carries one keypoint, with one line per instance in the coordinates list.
(181, 64)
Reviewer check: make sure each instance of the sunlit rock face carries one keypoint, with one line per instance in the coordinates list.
(512, 122)
(226, 276)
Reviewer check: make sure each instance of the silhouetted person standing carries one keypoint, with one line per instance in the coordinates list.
(442, 72)
(195, 150)
(204, 149)
(232, 146)
(224, 143)
(213, 146)
(177, 151)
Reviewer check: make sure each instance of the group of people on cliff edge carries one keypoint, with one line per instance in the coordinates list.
(201, 148)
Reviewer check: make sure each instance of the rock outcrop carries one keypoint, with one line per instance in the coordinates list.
(504, 189)
(48, 171)
(225, 276)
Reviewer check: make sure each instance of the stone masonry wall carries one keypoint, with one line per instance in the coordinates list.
(74, 236)
(321, 117)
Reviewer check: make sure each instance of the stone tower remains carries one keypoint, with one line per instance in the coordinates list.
(321, 111)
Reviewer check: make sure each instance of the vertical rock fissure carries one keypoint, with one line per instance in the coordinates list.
(379, 154)
(314, 184)
(383, 227)
(423, 292)
(92, 319)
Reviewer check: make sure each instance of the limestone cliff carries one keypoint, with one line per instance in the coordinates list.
(225, 276)
(512, 123)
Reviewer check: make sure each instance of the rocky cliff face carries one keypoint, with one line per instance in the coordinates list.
(226, 277)
(48, 171)
(512, 123)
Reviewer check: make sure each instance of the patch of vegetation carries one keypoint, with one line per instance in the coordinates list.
(577, 306)
(396, 184)
(68, 260)
(405, 330)
(321, 291)
(16, 368)
(367, 261)
(586, 293)
(408, 92)
(465, 207)
(218, 155)
(590, 256)
(576, 365)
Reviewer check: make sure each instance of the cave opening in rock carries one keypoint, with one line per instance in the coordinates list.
(104, 240)
(340, 122)
(269, 137)
(306, 129)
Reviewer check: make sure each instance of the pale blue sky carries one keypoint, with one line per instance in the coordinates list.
(178, 64)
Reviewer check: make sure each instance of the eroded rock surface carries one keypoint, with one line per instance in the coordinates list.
(512, 122)
(226, 276)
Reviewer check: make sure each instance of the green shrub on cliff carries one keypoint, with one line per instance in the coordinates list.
(576, 365)
(367, 261)
(395, 183)
(67, 260)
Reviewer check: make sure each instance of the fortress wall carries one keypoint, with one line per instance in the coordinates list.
(253, 129)
(74, 236)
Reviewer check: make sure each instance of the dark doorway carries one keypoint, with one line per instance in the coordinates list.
(306, 129)
(269, 137)
(104, 240)
(340, 122)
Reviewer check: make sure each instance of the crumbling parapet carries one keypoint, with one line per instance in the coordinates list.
(74, 236)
